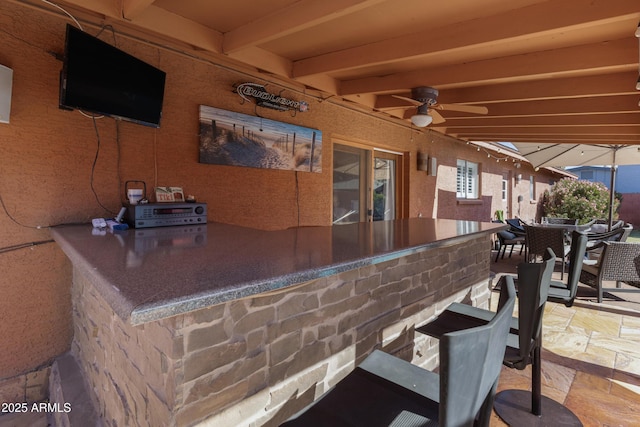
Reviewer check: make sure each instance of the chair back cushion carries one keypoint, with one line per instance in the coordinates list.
(515, 224)
(506, 235)
(470, 364)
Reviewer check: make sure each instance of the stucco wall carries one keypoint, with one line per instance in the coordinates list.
(47, 173)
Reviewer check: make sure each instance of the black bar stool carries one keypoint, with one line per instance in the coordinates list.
(387, 391)
(517, 407)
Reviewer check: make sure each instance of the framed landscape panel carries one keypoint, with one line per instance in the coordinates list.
(236, 139)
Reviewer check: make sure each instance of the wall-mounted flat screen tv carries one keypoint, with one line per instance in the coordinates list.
(102, 79)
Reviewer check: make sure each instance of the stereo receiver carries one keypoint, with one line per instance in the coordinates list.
(165, 214)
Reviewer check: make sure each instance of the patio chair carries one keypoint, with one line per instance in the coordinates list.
(568, 221)
(516, 226)
(387, 391)
(595, 241)
(618, 234)
(539, 238)
(566, 292)
(509, 238)
(602, 225)
(619, 262)
(523, 346)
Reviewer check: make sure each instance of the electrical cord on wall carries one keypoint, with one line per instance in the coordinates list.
(20, 245)
(93, 168)
(24, 245)
(33, 227)
(12, 218)
(65, 12)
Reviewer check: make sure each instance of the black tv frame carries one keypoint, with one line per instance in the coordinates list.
(99, 78)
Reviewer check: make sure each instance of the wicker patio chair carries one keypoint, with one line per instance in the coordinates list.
(618, 234)
(595, 241)
(619, 262)
(539, 238)
(568, 221)
(602, 225)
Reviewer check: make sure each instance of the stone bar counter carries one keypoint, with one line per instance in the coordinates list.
(231, 326)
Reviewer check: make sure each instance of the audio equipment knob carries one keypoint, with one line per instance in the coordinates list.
(199, 210)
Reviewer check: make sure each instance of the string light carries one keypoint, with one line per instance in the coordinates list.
(498, 158)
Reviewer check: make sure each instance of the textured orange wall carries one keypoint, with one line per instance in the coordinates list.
(46, 157)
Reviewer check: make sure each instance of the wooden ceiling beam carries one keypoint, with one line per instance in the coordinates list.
(577, 88)
(550, 130)
(157, 22)
(560, 139)
(566, 106)
(563, 87)
(297, 17)
(613, 56)
(132, 8)
(605, 119)
(168, 24)
(537, 19)
(263, 60)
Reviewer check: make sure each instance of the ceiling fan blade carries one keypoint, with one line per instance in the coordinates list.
(437, 117)
(404, 98)
(474, 109)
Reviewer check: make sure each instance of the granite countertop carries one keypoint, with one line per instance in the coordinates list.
(153, 273)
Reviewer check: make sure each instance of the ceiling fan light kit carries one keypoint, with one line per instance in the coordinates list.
(421, 120)
(426, 99)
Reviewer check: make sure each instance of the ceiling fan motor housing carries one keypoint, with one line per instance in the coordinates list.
(425, 95)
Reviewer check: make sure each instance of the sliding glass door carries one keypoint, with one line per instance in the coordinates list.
(384, 186)
(350, 176)
(365, 184)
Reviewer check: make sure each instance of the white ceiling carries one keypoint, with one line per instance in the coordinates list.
(548, 71)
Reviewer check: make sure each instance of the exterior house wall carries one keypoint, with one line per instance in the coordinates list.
(60, 167)
(494, 168)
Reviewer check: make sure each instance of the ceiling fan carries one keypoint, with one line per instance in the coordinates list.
(426, 99)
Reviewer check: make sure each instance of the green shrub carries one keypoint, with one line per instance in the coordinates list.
(576, 199)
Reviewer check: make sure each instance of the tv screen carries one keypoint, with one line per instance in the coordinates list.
(101, 79)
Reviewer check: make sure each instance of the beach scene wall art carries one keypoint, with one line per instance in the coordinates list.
(236, 139)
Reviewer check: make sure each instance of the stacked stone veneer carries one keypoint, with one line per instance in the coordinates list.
(257, 360)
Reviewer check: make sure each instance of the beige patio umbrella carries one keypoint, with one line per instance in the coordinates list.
(561, 155)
